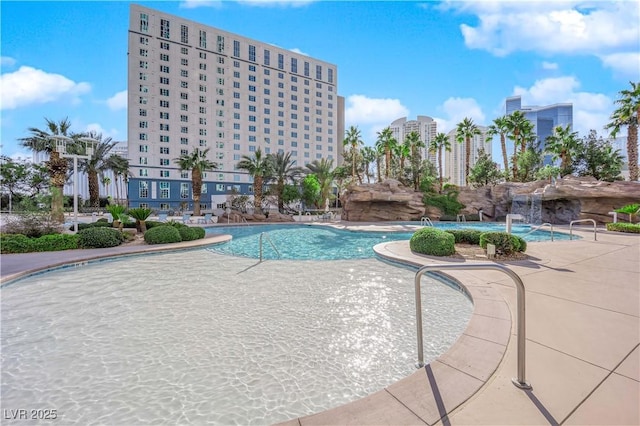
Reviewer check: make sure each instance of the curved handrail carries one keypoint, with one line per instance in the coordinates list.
(270, 242)
(425, 221)
(520, 381)
(540, 226)
(595, 232)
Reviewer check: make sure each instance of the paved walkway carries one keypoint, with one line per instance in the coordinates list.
(582, 347)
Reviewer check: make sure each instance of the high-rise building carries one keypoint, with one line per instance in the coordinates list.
(425, 126)
(195, 86)
(454, 160)
(544, 118)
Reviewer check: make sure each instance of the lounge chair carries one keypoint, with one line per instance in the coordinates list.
(162, 217)
(186, 218)
(206, 218)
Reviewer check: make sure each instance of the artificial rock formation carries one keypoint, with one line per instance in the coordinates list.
(386, 201)
(562, 201)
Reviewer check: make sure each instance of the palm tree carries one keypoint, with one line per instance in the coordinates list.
(43, 141)
(198, 163)
(354, 140)
(323, 170)
(99, 162)
(563, 144)
(284, 170)
(627, 114)
(120, 167)
(386, 142)
(401, 151)
(516, 123)
(440, 142)
(414, 143)
(259, 168)
(368, 157)
(465, 130)
(500, 127)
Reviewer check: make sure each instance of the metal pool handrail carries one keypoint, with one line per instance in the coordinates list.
(425, 221)
(540, 226)
(595, 232)
(270, 242)
(520, 381)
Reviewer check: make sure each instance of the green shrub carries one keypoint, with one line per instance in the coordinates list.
(432, 242)
(152, 223)
(200, 232)
(187, 233)
(470, 236)
(14, 243)
(100, 237)
(55, 242)
(448, 204)
(164, 234)
(98, 224)
(103, 220)
(633, 228)
(505, 243)
(31, 224)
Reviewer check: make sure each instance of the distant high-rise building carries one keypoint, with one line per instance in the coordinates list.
(425, 126)
(454, 160)
(195, 86)
(544, 118)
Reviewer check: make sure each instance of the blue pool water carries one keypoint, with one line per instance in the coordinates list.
(305, 242)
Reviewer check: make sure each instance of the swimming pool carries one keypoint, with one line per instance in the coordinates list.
(305, 242)
(198, 337)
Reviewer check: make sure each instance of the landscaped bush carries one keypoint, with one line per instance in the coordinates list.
(55, 242)
(18, 243)
(454, 218)
(432, 242)
(505, 243)
(15, 243)
(470, 236)
(164, 234)
(633, 228)
(31, 224)
(200, 232)
(152, 223)
(99, 237)
(98, 224)
(187, 233)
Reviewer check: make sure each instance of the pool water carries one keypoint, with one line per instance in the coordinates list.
(199, 337)
(306, 242)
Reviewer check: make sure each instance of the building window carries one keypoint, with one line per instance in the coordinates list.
(164, 186)
(184, 190)
(164, 161)
(164, 45)
(164, 69)
(203, 42)
(142, 160)
(294, 65)
(184, 34)
(144, 148)
(252, 53)
(184, 141)
(330, 75)
(164, 127)
(164, 57)
(143, 189)
(144, 23)
(164, 28)
(164, 150)
(144, 172)
(144, 64)
(306, 71)
(143, 136)
(164, 138)
(280, 61)
(220, 44)
(236, 48)
(184, 174)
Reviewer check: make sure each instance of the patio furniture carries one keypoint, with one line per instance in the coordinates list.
(162, 217)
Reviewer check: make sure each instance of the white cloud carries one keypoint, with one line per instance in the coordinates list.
(590, 110)
(456, 110)
(372, 114)
(277, 3)
(6, 61)
(30, 86)
(627, 64)
(192, 4)
(570, 27)
(549, 65)
(296, 50)
(97, 128)
(118, 101)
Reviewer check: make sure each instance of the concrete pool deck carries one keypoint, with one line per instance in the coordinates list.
(583, 337)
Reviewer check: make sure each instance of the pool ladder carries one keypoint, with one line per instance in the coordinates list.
(595, 232)
(540, 226)
(425, 221)
(520, 381)
(264, 234)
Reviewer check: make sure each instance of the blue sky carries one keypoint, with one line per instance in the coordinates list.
(447, 60)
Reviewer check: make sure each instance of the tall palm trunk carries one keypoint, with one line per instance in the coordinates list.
(58, 171)
(505, 159)
(94, 190)
(387, 159)
(257, 193)
(632, 150)
(196, 182)
(117, 187)
(280, 189)
(467, 160)
(440, 169)
(515, 154)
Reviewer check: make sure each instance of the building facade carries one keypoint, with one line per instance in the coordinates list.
(194, 86)
(543, 118)
(425, 126)
(454, 160)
